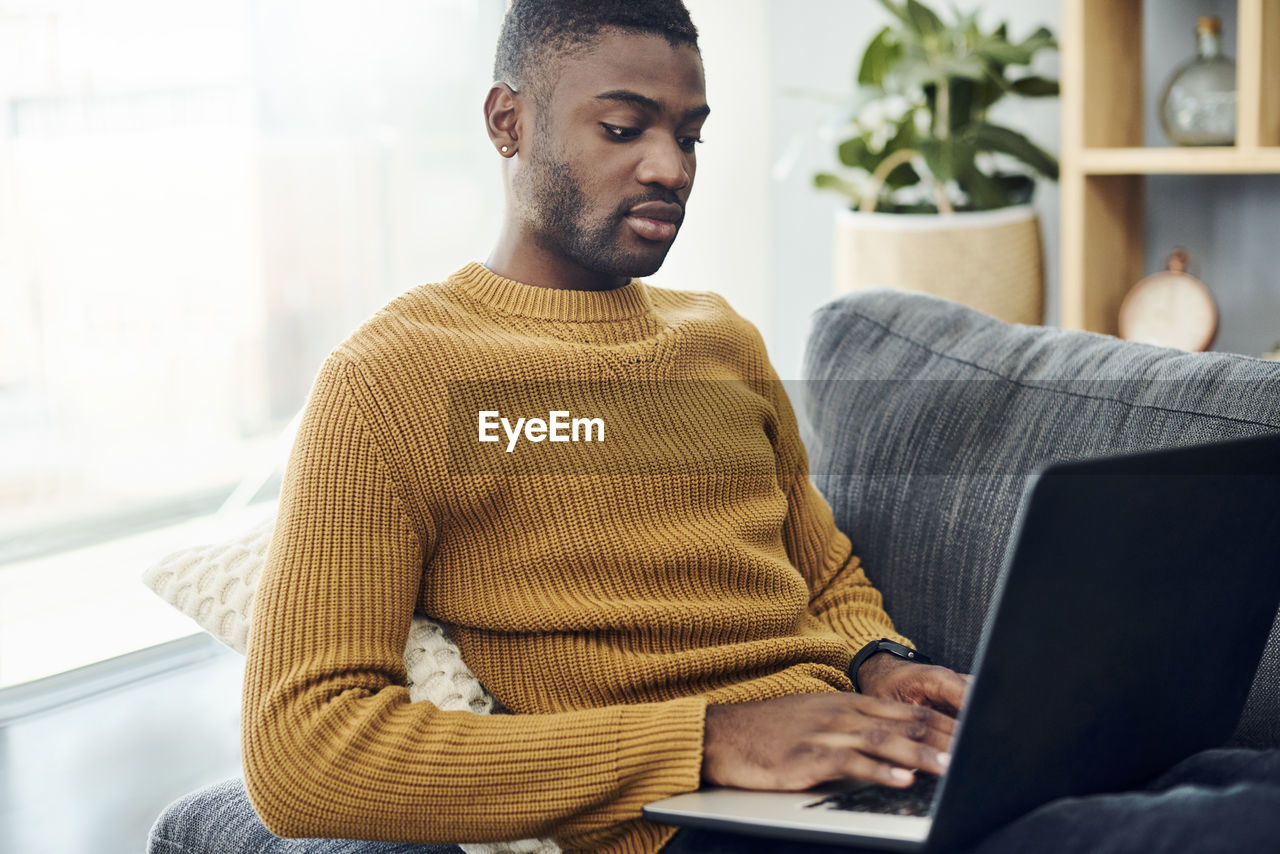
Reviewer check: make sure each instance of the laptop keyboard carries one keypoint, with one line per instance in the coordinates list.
(915, 800)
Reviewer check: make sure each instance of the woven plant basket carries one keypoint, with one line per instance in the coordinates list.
(989, 260)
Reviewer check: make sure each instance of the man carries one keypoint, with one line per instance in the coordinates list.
(662, 601)
(668, 606)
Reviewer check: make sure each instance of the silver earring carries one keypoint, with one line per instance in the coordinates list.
(504, 149)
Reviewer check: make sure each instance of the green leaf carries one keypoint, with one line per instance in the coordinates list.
(963, 94)
(988, 137)
(969, 67)
(1018, 188)
(904, 138)
(900, 13)
(827, 181)
(986, 92)
(937, 156)
(985, 193)
(948, 159)
(1041, 38)
(926, 22)
(1004, 53)
(963, 155)
(854, 153)
(1036, 87)
(915, 72)
(902, 176)
(881, 55)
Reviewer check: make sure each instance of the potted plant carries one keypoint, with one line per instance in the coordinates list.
(939, 194)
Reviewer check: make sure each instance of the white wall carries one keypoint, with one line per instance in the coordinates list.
(724, 245)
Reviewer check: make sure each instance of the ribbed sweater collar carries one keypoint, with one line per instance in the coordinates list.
(512, 297)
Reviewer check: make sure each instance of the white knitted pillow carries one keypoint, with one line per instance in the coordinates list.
(215, 584)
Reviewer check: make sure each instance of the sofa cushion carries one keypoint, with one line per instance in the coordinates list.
(924, 418)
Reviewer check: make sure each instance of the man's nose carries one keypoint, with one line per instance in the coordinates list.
(665, 164)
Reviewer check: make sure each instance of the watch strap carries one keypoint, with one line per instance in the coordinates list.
(883, 645)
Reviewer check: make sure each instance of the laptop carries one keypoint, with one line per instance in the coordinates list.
(1133, 606)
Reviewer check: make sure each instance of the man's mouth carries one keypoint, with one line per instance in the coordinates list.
(655, 220)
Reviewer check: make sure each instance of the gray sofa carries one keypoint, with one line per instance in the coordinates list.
(923, 419)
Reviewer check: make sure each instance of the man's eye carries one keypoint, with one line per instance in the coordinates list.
(688, 142)
(620, 132)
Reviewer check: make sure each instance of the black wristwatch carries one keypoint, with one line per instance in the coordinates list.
(883, 645)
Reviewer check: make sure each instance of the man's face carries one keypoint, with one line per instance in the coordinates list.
(610, 159)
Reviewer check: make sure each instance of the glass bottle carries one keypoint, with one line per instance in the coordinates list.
(1198, 106)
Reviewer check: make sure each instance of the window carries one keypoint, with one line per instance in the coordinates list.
(197, 201)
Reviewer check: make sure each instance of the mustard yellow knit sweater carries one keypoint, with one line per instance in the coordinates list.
(644, 543)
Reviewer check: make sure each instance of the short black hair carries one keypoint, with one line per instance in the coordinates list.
(536, 32)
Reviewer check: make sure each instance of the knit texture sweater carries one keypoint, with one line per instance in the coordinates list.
(604, 579)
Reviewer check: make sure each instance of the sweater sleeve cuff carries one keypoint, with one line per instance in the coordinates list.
(660, 749)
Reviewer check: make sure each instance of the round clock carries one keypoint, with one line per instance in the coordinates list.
(1171, 309)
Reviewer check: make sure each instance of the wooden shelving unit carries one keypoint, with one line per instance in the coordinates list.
(1104, 162)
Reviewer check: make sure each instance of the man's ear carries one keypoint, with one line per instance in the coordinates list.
(502, 109)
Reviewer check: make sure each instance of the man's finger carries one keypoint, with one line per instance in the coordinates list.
(898, 711)
(904, 751)
(882, 744)
(945, 690)
(916, 731)
(859, 766)
(917, 723)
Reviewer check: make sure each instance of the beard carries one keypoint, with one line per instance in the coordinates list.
(557, 216)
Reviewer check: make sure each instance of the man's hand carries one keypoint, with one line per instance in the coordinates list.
(891, 678)
(793, 743)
